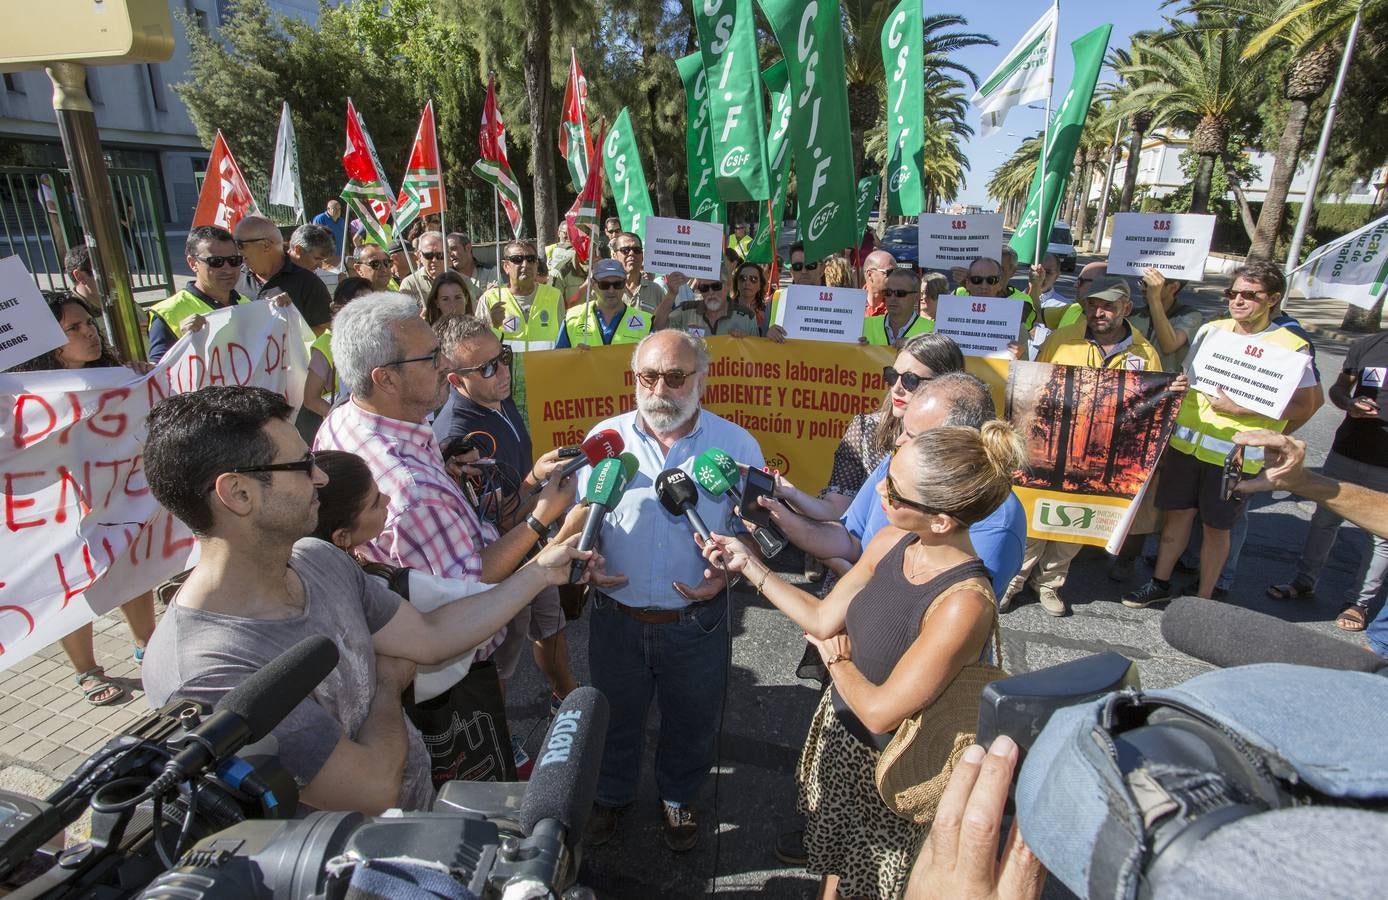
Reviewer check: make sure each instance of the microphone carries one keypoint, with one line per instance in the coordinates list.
(677, 494)
(604, 444)
(564, 782)
(711, 472)
(1227, 635)
(606, 485)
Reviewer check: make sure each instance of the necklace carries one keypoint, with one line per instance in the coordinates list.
(919, 568)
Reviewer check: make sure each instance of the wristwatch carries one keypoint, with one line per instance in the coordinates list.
(542, 532)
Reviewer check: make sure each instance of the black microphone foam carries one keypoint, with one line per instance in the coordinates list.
(564, 782)
(1227, 635)
(264, 699)
(678, 495)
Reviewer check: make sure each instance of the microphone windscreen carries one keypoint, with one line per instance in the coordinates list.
(603, 445)
(725, 463)
(630, 464)
(676, 491)
(606, 483)
(710, 478)
(264, 699)
(564, 781)
(1227, 635)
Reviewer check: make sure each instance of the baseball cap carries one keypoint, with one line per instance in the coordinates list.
(608, 268)
(1111, 288)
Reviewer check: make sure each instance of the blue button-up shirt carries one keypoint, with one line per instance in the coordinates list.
(644, 542)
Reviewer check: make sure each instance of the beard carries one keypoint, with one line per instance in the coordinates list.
(664, 414)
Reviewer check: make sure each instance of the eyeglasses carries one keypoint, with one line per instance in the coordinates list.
(242, 242)
(377, 264)
(304, 465)
(435, 256)
(710, 286)
(611, 285)
(983, 279)
(899, 293)
(628, 249)
(432, 358)
(521, 259)
(217, 262)
(804, 267)
(897, 501)
(909, 380)
(1079, 281)
(749, 277)
(1251, 296)
(673, 379)
(489, 368)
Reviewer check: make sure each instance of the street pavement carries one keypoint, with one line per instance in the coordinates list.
(46, 728)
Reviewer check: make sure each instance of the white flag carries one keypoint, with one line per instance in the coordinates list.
(1353, 268)
(284, 175)
(1023, 77)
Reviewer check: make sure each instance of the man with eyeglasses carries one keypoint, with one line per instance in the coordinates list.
(642, 291)
(611, 227)
(902, 319)
(801, 272)
(740, 242)
(269, 271)
(878, 265)
(1191, 473)
(710, 314)
(373, 264)
(227, 463)
(665, 631)
(431, 264)
(525, 309)
(211, 254)
(607, 319)
(460, 257)
(985, 277)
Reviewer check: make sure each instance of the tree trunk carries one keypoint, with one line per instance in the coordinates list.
(1367, 320)
(1235, 185)
(1200, 196)
(664, 197)
(1283, 168)
(538, 93)
(1082, 208)
(1125, 202)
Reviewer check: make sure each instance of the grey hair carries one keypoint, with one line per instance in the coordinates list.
(316, 238)
(419, 241)
(970, 400)
(364, 339)
(453, 330)
(693, 342)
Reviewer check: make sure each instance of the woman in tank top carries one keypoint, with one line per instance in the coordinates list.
(914, 610)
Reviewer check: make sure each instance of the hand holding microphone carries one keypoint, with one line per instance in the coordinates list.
(606, 485)
(605, 444)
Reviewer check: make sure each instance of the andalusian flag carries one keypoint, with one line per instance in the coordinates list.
(493, 167)
(421, 191)
(367, 193)
(574, 143)
(586, 210)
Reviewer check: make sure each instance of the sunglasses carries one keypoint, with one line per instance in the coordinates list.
(673, 379)
(705, 288)
(804, 267)
(909, 380)
(983, 279)
(377, 264)
(897, 501)
(304, 465)
(519, 259)
(432, 358)
(490, 367)
(435, 257)
(611, 285)
(1083, 280)
(750, 277)
(216, 262)
(629, 248)
(900, 293)
(1251, 296)
(242, 242)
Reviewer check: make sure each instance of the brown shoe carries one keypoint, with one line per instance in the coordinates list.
(1051, 602)
(681, 828)
(602, 824)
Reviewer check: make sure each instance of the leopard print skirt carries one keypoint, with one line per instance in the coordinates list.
(849, 832)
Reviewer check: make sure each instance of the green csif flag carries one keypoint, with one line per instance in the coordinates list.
(903, 41)
(811, 39)
(728, 43)
(1062, 137)
(778, 154)
(867, 195)
(626, 177)
(704, 204)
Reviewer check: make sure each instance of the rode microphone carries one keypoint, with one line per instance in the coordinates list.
(1225, 635)
(679, 496)
(605, 444)
(564, 782)
(606, 485)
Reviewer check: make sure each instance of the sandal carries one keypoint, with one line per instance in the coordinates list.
(97, 688)
(1352, 618)
(1292, 590)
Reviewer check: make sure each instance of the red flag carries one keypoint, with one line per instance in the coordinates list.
(226, 198)
(421, 190)
(494, 167)
(586, 210)
(574, 143)
(367, 193)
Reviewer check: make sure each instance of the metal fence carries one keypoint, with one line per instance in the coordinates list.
(38, 223)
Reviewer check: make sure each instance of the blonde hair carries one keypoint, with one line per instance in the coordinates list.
(837, 272)
(967, 472)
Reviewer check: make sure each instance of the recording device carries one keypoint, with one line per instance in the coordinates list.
(606, 485)
(1225, 635)
(678, 495)
(604, 444)
(1233, 472)
(719, 474)
(473, 833)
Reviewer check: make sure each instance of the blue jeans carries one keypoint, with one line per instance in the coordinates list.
(684, 665)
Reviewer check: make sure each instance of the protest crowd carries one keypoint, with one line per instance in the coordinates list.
(404, 497)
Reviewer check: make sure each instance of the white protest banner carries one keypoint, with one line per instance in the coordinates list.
(1353, 268)
(82, 532)
(1174, 244)
(981, 326)
(27, 328)
(949, 241)
(1255, 375)
(681, 245)
(821, 313)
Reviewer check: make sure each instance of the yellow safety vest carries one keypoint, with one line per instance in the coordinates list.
(875, 329)
(180, 306)
(584, 328)
(324, 345)
(546, 313)
(740, 247)
(1068, 346)
(1208, 435)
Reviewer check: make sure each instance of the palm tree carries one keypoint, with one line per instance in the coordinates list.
(1311, 32)
(946, 123)
(1138, 115)
(1011, 181)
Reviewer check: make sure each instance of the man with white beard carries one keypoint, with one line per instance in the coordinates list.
(664, 632)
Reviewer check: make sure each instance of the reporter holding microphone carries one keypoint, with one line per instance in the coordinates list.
(894, 632)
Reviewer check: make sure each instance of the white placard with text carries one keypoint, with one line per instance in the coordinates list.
(821, 313)
(1175, 244)
(27, 328)
(1255, 375)
(981, 326)
(949, 241)
(681, 245)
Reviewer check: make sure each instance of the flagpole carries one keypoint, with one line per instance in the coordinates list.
(1046, 135)
(346, 235)
(496, 231)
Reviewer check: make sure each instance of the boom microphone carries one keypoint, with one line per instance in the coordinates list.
(605, 444)
(679, 497)
(606, 485)
(564, 782)
(1227, 635)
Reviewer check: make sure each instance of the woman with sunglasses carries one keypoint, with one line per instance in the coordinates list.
(749, 291)
(320, 385)
(450, 296)
(912, 612)
(86, 349)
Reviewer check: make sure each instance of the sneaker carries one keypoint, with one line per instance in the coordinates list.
(602, 824)
(1146, 595)
(1122, 569)
(681, 828)
(1013, 590)
(522, 759)
(1051, 602)
(790, 848)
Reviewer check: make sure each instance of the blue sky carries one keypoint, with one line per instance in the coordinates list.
(1007, 21)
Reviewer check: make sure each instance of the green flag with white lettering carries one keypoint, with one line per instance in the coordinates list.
(728, 43)
(811, 39)
(1063, 136)
(704, 204)
(867, 195)
(626, 177)
(903, 41)
(778, 150)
